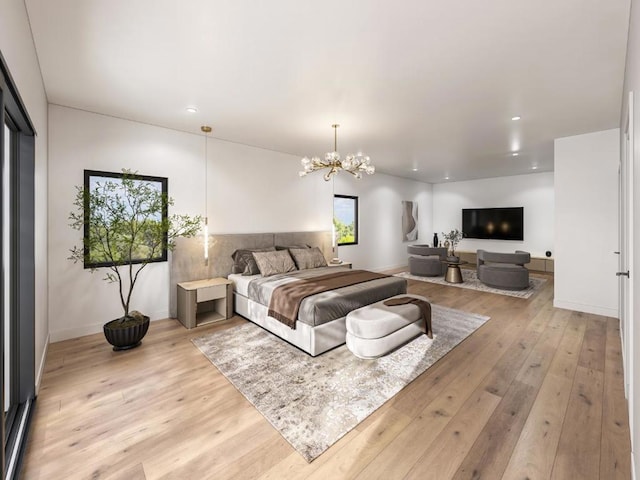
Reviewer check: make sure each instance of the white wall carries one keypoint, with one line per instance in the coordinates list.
(19, 52)
(380, 197)
(250, 190)
(534, 192)
(632, 84)
(586, 182)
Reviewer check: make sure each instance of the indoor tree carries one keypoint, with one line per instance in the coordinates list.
(126, 227)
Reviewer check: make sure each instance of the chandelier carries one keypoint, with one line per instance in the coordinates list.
(354, 164)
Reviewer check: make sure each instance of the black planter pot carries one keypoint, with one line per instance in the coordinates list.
(128, 337)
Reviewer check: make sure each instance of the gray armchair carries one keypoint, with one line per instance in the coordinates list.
(504, 270)
(426, 261)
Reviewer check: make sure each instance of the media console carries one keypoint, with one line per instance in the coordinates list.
(537, 264)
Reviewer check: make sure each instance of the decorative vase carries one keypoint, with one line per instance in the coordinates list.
(435, 240)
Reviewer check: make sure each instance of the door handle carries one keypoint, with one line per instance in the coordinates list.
(617, 253)
(623, 274)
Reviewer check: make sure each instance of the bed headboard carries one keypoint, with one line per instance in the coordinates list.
(187, 260)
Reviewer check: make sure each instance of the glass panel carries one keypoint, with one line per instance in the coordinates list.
(6, 266)
(345, 219)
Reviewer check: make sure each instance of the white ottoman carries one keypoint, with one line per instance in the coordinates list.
(378, 329)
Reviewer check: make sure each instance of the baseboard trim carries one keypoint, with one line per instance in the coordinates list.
(391, 267)
(91, 329)
(581, 307)
(42, 364)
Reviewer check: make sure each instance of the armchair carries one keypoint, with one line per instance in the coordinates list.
(426, 261)
(503, 270)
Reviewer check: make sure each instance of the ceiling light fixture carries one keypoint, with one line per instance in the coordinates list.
(446, 178)
(535, 167)
(515, 154)
(516, 118)
(206, 129)
(414, 169)
(354, 164)
(191, 109)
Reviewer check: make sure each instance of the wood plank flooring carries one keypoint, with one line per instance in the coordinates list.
(536, 393)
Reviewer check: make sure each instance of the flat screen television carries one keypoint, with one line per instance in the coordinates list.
(493, 223)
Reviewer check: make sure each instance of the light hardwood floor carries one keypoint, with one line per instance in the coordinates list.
(536, 393)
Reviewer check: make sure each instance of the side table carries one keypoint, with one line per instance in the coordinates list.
(454, 275)
(204, 301)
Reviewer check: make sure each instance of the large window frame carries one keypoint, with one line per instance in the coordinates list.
(345, 209)
(94, 177)
(21, 273)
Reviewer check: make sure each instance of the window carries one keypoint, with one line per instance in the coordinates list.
(147, 193)
(345, 219)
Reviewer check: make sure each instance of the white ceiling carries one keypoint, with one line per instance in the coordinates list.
(420, 84)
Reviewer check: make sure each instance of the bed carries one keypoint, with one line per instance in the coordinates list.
(320, 325)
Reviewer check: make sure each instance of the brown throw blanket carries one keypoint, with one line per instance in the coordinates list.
(425, 309)
(285, 299)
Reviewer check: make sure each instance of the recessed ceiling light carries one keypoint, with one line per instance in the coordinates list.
(414, 169)
(191, 109)
(516, 118)
(446, 178)
(515, 154)
(535, 167)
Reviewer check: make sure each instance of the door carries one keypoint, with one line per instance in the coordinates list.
(625, 252)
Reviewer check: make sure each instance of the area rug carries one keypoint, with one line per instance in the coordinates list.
(471, 282)
(313, 402)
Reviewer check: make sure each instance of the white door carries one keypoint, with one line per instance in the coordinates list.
(626, 278)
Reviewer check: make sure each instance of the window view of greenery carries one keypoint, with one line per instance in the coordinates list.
(345, 219)
(121, 209)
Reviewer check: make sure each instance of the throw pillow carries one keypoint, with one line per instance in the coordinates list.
(244, 263)
(308, 258)
(272, 263)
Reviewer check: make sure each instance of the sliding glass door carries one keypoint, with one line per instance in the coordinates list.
(6, 269)
(17, 273)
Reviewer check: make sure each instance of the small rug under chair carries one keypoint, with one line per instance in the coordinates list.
(471, 282)
(315, 401)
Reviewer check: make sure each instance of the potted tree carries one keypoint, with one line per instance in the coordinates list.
(452, 238)
(126, 226)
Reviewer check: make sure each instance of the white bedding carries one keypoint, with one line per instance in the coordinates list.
(241, 282)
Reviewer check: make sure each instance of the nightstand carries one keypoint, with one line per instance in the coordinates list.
(343, 264)
(204, 301)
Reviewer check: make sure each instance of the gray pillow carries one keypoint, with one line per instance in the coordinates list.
(289, 247)
(244, 263)
(308, 258)
(271, 263)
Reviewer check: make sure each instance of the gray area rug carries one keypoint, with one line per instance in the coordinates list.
(313, 402)
(471, 282)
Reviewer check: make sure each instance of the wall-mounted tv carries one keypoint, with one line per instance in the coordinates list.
(493, 223)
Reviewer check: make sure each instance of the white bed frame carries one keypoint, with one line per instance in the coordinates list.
(313, 340)
(187, 264)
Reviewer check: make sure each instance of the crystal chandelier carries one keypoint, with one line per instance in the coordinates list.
(354, 164)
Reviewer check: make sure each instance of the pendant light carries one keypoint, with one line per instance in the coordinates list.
(206, 129)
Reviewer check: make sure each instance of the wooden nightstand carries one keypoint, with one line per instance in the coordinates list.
(343, 264)
(204, 301)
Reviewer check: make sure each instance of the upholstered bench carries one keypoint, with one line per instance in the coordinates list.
(377, 329)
